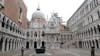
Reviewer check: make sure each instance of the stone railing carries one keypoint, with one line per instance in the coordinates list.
(11, 33)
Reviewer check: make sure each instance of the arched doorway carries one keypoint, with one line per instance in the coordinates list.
(43, 44)
(80, 44)
(35, 44)
(27, 45)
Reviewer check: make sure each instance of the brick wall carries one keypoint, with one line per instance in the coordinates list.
(12, 11)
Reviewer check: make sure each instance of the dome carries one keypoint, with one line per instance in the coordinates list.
(38, 15)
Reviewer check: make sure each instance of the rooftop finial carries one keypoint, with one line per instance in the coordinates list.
(38, 7)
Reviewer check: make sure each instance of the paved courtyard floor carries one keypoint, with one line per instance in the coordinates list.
(82, 52)
(54, 52)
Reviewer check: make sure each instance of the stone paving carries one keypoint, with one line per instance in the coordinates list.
(82, 52)
(53, 52)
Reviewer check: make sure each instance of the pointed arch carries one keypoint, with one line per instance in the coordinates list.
(98, 26)
(91, 31)
(43, 34)
(3, 21)
(97, 43)
(7, 24)
(95, 30)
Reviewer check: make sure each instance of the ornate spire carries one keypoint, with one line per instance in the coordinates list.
(38, 7)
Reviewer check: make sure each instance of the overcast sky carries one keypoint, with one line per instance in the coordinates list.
(64, 8)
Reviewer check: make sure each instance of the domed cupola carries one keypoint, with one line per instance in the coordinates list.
(38, 14)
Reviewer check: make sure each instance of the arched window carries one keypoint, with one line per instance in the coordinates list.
(7, 24)
(3, 22)
(43, 44)
(98, 12)
(43, 34)
(11, 26)
(91, 31)
(14, 28)
(85, 32)
(35, 34)
(98, 28)
(20, 15)
(88, 31)
(57, 39)
(95, 30)
(35, 44)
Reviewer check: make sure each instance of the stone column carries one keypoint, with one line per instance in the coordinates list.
(7, 45)
(99, 43)
(85, 45)
(82, 44)
(10, 45)
(14, 45)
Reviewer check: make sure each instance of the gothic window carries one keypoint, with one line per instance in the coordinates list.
(7, 24)
(3, 21)
(42, 33)
(31, 33)
(35, 34)
(20, 15)
(14, 28)
(99, 28)
(86, 8)
(92, 18)
(95, 30)
(27, 34)
(95, 2)
(57, 39)
(11, 26)
(98, 12)
(43, 44)
(91, 31)
(88, 31)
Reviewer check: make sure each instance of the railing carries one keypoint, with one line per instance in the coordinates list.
(4, 30)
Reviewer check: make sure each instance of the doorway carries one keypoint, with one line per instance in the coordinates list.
(35, 44)
(27, 45)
